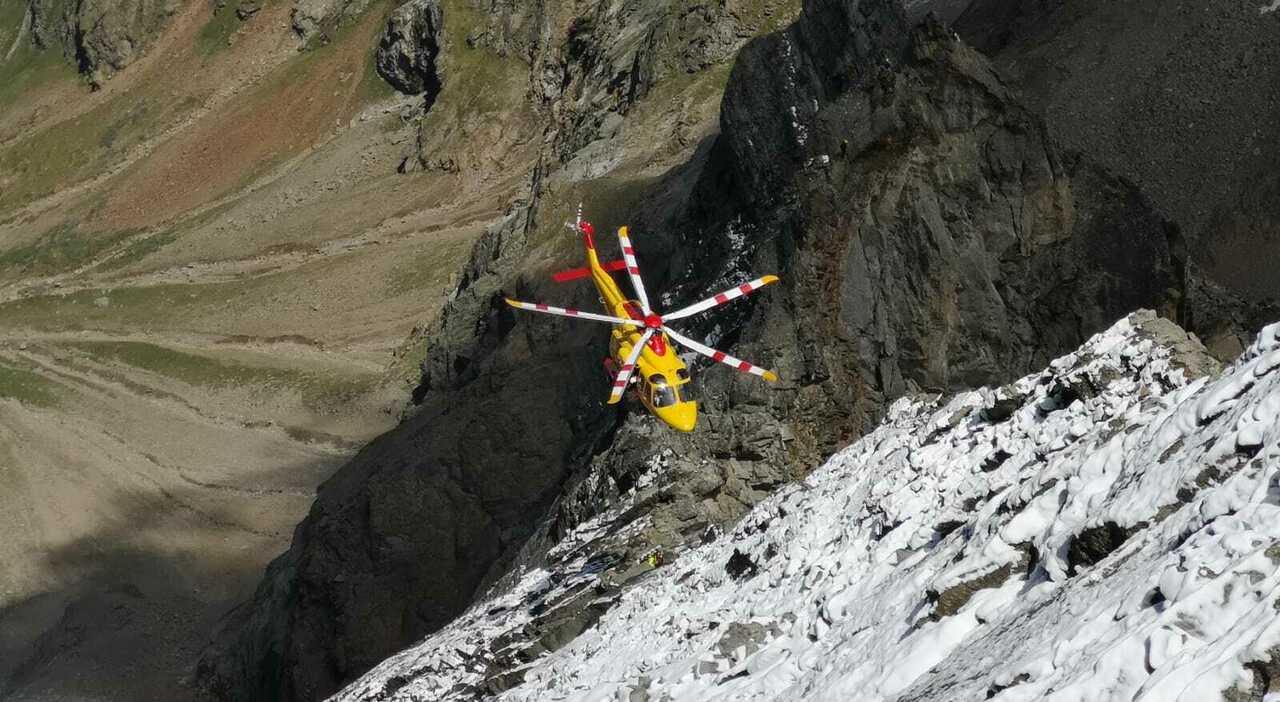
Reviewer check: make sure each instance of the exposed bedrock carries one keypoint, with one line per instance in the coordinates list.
(409, 48)
(933, 236)
(1178, 99)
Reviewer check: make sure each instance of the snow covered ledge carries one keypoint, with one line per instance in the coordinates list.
(1108, 529)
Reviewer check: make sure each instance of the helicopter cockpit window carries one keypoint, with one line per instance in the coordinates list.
(663, 394)
(686, 391)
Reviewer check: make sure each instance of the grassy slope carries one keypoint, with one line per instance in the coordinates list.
(306, 93)
(83, 146)
(26, 67)
(23, 385)
(321, 391)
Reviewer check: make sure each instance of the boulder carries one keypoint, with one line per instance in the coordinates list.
(409, 50)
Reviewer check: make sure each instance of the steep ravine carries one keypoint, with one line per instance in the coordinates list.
(930, 235)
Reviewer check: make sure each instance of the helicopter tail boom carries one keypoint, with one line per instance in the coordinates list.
(585, 271)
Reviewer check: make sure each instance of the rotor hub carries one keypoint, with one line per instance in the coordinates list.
(653, 321)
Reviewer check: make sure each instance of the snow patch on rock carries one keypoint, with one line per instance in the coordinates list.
(1107, 529)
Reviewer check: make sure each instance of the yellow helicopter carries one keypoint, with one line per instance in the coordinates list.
(640, 350)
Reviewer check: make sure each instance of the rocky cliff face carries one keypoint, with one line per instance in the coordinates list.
(409, 49)
(100, 36)
(1177, 99)
(929, 233)
(952, 240)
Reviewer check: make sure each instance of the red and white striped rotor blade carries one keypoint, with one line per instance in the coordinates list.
(633, 269)
(722, 298)
(572, 313)
(720, 356)
(628, 366)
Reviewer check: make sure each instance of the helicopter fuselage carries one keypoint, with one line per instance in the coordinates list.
(661, 379)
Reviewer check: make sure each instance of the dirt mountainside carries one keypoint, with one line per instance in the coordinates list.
(210, 269)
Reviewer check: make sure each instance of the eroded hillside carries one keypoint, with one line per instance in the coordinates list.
(209, 271)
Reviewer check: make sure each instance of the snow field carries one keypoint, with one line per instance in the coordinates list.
(1104, 530)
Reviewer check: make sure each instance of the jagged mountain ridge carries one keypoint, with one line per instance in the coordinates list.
(1103, 530)
(214, 210)
(380, 560)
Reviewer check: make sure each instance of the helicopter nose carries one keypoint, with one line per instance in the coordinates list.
(683, 416)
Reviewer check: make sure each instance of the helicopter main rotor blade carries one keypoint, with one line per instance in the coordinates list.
(722, 298)
(633, 269)
(575, 314)
(628, 366)
(720, 356)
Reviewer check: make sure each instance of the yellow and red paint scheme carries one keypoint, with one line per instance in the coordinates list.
(658, 375)
(660, 378)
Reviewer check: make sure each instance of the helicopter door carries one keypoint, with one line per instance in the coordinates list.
(642, 388)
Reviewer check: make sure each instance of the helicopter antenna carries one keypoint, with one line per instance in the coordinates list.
(576, 225)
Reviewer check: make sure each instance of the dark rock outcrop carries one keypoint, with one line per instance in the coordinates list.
(933, 236)
(1090, 546)
(1178, 99)
(614, 55)
(407, 53)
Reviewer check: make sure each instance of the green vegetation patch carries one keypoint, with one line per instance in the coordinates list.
(28, 67)
(27, 387)
(128, 308)
(13, 16)
(61, 249)
(707, 84)
(486, 79)
(319, 390)
(608, 202)
(71, 150)
(429, 268)
(372, 87)
(216, 33)
(138, 250)
(768, 15)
